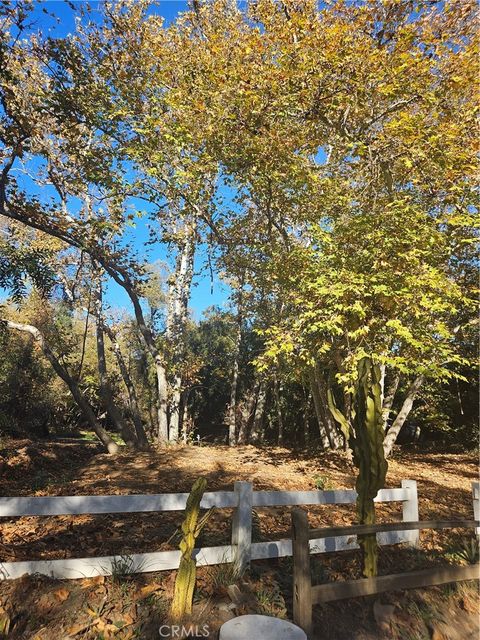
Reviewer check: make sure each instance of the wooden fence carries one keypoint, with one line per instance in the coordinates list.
(243, 499)
(305, 595)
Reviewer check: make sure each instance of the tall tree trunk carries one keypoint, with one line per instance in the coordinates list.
(402, 415)
(247, 414)
(278, 407)
(106, 392)
(129, 385)
(232, 407)
(389, 398)
(333, 432)
(185, 424)
(317, 403)
(162, 391)
(256, 434)
(179, 296)
(306, 422)
(62, 373)
(329, 433)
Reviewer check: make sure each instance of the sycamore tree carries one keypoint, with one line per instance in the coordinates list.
(347, 134)
(386, 93)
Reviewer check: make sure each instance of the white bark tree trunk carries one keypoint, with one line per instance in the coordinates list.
(402, 415)
(317, 403)
(388, 400)
(232, 407)
(178, 299)
(256, 434)
(278, 407)
(162, 389)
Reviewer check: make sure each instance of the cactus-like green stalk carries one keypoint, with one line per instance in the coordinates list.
(366, 441)
(191, 527)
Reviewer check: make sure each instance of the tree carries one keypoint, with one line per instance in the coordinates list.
(378, 92)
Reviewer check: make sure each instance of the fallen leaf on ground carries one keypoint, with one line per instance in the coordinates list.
(62, 594)
(78, 628)
(85, 583)
(128, 618)
(147, 590)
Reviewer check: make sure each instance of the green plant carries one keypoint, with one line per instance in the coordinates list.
(321, 482)
(124, 566)
(224, 574)
(271, 602)
(365, 434)
(191, 527)
(467, 550)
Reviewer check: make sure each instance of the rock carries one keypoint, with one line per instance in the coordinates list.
(225, 606)
(264, 627)
(236, 595)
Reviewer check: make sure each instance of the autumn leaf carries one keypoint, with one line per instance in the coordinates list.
(62, 594)
(144, 592)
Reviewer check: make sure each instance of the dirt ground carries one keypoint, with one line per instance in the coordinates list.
(44, 609)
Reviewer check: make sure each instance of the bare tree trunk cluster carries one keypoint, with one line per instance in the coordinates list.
(62, 372)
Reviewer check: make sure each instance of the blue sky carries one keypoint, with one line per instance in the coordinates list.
(57, 18)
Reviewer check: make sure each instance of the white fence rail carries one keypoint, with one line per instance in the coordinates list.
(242, 499)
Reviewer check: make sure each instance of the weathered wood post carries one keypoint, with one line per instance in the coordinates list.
(242, 524)
(410, 511)
(302, 579)
(476, 503)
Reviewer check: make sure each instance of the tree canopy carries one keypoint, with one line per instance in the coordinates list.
(318, 158)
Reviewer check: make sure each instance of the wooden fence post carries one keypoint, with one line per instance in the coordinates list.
(302, 579)
(242, 524)
(476, 503)
(410, 511)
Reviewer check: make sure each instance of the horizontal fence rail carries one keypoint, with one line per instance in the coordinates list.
(73, 568)
(395, 582)
(242, 500)
(342, 496)
(363, 529)
(79, 505)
